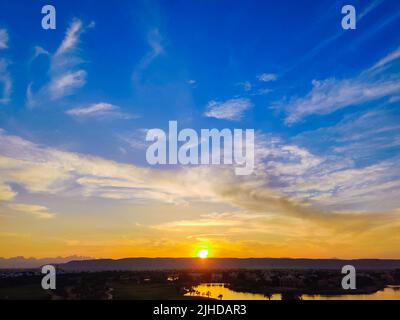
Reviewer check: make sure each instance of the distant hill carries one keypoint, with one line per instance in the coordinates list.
(29, 263)
(224, 263)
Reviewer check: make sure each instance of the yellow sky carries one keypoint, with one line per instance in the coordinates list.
(223, 234)
(56, 203)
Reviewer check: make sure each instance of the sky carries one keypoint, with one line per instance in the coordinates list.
(76, 103)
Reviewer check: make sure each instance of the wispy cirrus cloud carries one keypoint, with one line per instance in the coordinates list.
(301, 179)
(154, 40)
(66, 83)
(269, 211)
(38, 51)
(329, 95)
(369, 8)
(387, 59)
(71, 38)
(288, 177)
(6, 193)
(246, 85)
(66, 75)
(5, 82)
(343, 172)
(3, 39)
(101, 110)
(362, 136)
(243, 222)
(232, 109)
(328, 41)
(266, 77)
(279, 233)
(5, 77)
(135, 140)
(34, 210)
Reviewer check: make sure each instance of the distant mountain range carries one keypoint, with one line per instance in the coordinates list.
(78, 263)
(28, 263)
(224, 263)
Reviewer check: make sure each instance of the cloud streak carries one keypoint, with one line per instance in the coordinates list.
(52, 171)
(5, 77)
(5, 81)
(154, 41)
(267, 77)
(3, 39)
(66, 75)
(101, 110)
(36, 211)
(232, 109)
(71, 38)
(66, 83)
(259, 208)
(329, 95)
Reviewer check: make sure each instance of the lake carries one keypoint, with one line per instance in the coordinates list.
(215, 289)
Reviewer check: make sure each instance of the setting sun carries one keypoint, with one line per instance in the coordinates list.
(202, 253)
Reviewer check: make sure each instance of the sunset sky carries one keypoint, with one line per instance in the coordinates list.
(76, 103)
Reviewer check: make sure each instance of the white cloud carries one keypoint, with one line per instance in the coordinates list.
(135, 140)
(329, 95)
(65, 76)
(357, 168)
(66, 83)
(30, 102)
(154, 40)
(5, 78)
(6, 193)
(3, 39)
(5, 82)
(37, 211)
(93, 109)
(39, 51)
(365, 188)
(292, 182)
(232, 109)
(389, 58)
(263, 91)
(71, 37)
(332, 180)
(360, 136)
(266, 77)
(256, 207)
(246, 85)
(100, 110)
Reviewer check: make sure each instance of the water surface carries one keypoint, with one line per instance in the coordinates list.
(217, 289)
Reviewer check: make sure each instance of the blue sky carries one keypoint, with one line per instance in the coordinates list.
(324, 101)
(222, 47)
(217, 47)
